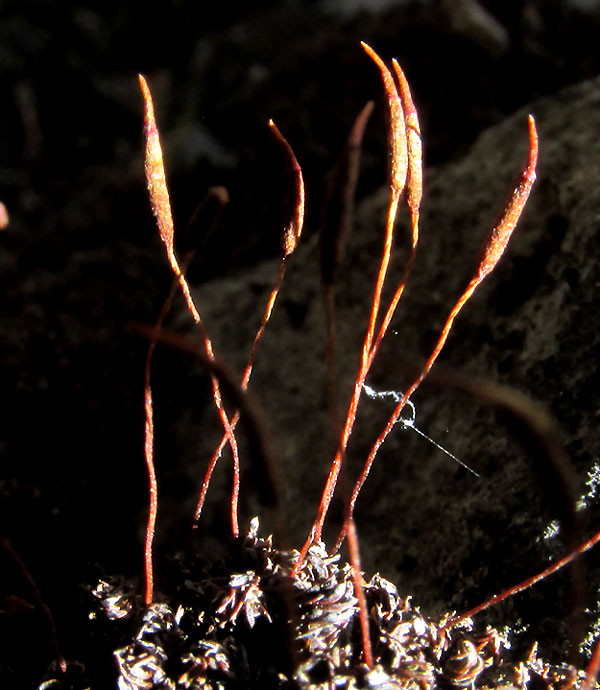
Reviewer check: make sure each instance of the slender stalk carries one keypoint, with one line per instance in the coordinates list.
(335, 226)
(290, 238)
(359, 591)
(62, 663)
(526, 584)
(152, 483)
(592, 669)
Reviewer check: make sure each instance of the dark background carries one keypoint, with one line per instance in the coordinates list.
(80, 260)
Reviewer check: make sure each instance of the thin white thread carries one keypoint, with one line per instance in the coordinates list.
(409, 422)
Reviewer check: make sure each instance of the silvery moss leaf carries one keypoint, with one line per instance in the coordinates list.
(245, 622)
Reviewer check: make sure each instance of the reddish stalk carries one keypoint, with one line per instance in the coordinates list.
(153, 485)
(62, 663)
(335, 226)
(592, 669)
(359, 592)
(221, 197)
(260, 453)
(529, 582)
(291, 235)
